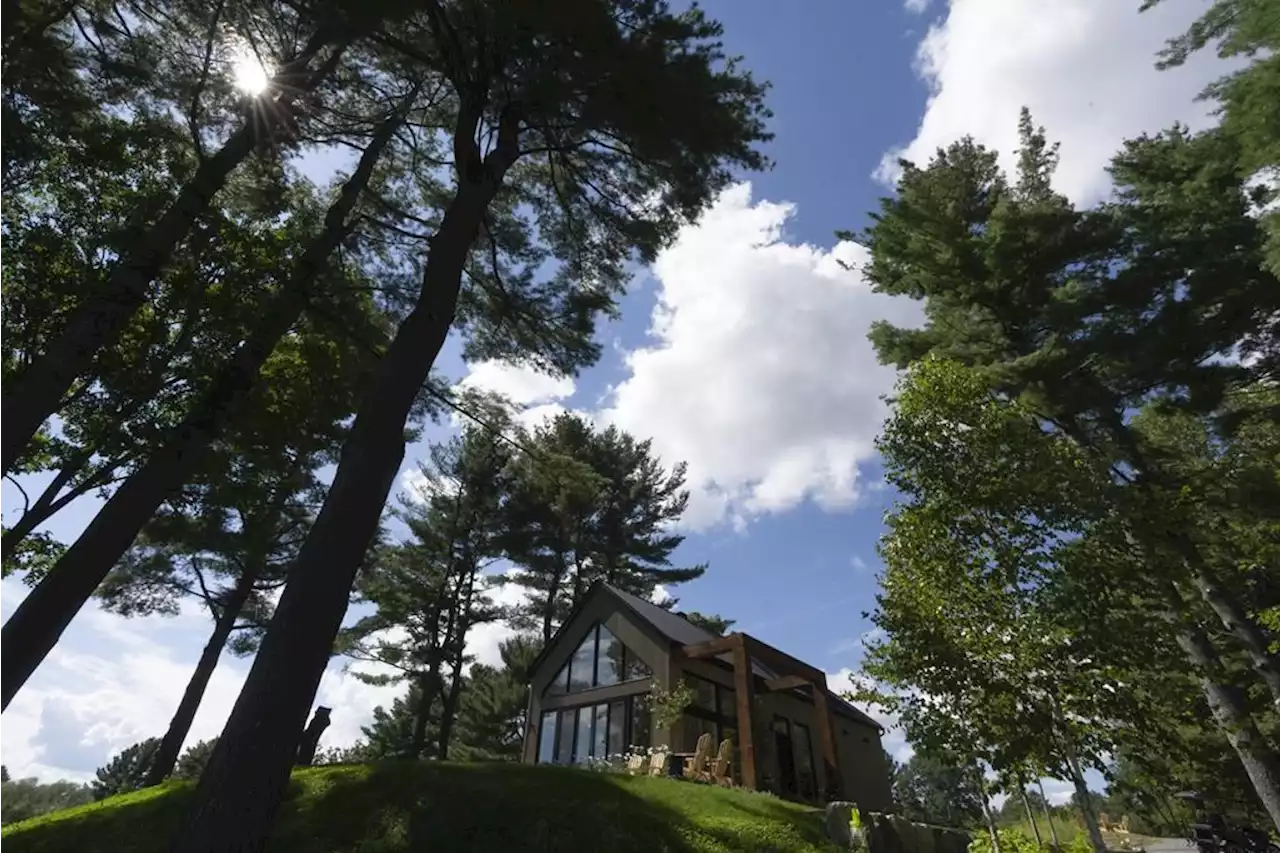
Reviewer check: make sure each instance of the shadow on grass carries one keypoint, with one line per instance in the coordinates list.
(507, 808)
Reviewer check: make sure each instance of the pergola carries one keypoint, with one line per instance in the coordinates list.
(790, 674)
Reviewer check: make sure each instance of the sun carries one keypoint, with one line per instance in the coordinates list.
(249, 74)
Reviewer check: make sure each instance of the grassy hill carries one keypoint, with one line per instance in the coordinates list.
(483, 808)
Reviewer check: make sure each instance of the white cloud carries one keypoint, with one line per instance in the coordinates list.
(1085, 68)
(759, 373)
(858, 563)
(537, 395)
(915, 7)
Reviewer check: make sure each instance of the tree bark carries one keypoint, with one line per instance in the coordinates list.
(1048, 816)
(429, 686)
(1246, 630)
(238, 795)
(449, 712)
(1226, 703)
(37, 392)
(1086, 799)
(38, 622)
(1031, 816)
(1224, 604)
(171, 745)
(986, 810)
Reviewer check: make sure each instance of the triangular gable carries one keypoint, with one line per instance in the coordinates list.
(600, 660)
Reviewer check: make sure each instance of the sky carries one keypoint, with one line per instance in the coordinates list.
(742, 351)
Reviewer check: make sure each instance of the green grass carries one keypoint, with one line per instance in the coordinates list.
(483, 808)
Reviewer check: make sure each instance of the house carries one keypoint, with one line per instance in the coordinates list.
(589, 686)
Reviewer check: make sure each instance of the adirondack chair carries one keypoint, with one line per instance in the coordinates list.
(698, 766)
(658, 763)
(722, 767)
(635, 764)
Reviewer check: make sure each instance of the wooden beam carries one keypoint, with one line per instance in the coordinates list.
(711, 648)
(786, 682)
(744, 691)
(784, 663)
(827, 738)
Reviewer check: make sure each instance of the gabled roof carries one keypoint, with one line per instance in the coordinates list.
(681, 632)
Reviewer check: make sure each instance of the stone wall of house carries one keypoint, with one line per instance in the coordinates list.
(886, 833)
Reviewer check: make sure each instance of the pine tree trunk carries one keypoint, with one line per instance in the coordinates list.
(38, 622)
(449, 712)
(37, 392)
(171, 745)
(1226, 703)
(428, 687)
(238, 795)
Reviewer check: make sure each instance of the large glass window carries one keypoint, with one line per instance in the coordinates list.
(599, 661)
(805, 778)
(641, 722)
(714, 711)
(564, 738)
(572, 735)
(608, 659)
(547, 738)
(617, 728)
(582, 748)
(582, 666)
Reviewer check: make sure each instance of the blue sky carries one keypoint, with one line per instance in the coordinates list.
(742, 351)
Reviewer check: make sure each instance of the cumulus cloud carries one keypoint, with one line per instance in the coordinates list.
(1085, 68)
(915, 7)
(758, 372)
(537, 395)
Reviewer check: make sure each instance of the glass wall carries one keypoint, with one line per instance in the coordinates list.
(805, 778)
(594, 731)
(600, 661)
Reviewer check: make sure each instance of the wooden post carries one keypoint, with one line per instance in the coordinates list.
(827, 737)
(744, 691)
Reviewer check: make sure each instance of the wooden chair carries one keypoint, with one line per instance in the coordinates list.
(658, 763)
(698, 766)
(635, 764)
(722, 767)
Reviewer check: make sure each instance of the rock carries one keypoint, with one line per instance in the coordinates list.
(839, 824)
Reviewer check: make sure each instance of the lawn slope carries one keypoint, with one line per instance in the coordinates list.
(398, 807)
